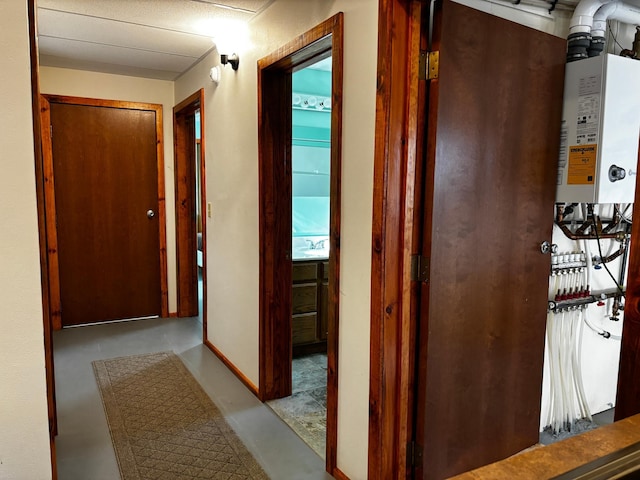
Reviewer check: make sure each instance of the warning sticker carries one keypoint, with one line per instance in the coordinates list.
(582, 165)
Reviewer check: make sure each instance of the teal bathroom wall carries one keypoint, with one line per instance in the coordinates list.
(311, 159)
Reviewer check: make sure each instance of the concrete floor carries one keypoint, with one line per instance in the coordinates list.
(599, 419)
(83, 445)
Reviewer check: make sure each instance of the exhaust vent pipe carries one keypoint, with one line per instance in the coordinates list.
(578, 46)
(589, 24)
(580, 38)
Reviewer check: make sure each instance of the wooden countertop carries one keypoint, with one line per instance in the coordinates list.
(550, 461)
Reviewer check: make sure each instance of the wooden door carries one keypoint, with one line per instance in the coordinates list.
(492, 150)
(105, 172)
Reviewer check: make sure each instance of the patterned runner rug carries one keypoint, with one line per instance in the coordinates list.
(164, 426)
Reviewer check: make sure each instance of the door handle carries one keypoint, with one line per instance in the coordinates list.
(150, 214)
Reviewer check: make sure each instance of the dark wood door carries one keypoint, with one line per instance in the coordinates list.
(492, 148)
(106, 180)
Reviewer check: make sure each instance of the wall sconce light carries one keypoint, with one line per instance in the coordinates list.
(214, 73)
(232, 59)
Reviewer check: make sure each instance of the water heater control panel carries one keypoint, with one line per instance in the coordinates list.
(600, 131)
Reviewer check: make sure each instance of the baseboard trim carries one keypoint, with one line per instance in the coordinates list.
(173, 315)
(235, 370)
(338, 475)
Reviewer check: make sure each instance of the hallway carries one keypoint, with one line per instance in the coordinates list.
(83, 444)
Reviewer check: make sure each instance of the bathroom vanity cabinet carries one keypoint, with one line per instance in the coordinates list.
(309, 306)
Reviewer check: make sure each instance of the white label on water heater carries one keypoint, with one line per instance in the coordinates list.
(588, 118)
(589, 85)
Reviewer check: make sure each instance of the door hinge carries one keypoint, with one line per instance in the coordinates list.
(419, 268)
(414, 454)
(429, 65)
(50, 131)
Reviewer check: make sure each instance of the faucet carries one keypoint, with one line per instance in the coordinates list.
(319, 245)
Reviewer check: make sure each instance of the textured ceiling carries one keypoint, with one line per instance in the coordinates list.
(152, 38)
(148, 38)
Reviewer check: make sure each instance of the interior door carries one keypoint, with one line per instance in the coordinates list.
(106, 197)
(492, 148)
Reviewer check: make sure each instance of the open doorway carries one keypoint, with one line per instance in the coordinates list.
(190, 197)
(300, 214)
(305, 409)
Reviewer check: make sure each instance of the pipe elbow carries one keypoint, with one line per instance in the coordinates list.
(615, 10)
(582, 19)
(600, 19)
(603, 13)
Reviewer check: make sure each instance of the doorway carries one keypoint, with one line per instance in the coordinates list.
(104, 194)
(277, 269)
(189, 167)
(305, 410)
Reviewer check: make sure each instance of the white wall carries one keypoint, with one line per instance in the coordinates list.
(556, 23)
(80, 83)
(232, 188)
(24, 431)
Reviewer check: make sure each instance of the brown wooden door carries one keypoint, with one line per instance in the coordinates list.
(106, 180)
(492, 149)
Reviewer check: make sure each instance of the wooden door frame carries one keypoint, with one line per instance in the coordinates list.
(397, 192)
(53, 272)
(628, 390)
(274, 140)
(187, 275)
(44, 279)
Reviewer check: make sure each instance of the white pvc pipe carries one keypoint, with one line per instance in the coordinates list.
(582, 19)
(583, 397)
(620, 11)
(589, 262)
(599, 26)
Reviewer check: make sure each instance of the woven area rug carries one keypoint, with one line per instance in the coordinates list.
(164, 426)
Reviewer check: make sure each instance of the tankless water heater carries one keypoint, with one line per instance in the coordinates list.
(600, 131)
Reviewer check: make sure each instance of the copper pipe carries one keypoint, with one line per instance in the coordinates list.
(590, 223)
(614, 255)
(559, 213)
(581, 236)
(615, 221)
